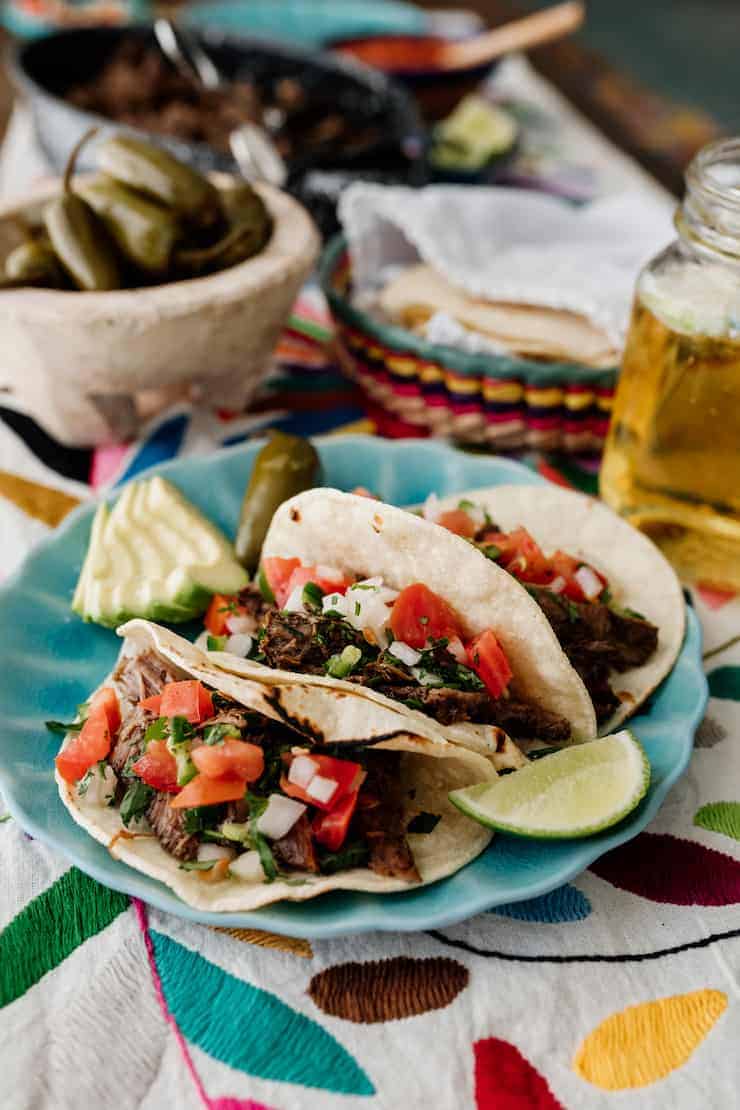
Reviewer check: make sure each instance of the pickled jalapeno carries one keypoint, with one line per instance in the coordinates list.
(286, 465)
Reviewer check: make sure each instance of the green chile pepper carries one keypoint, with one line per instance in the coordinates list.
(152, 170)
(286, 465)
(79, 240)
(144, 231)
(34, 263)
(244, 207)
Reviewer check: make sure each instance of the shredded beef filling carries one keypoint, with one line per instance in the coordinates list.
(296, 848)
(169, 826)
(597, 640)
(301, 642)
(143, 676)
(380, 818)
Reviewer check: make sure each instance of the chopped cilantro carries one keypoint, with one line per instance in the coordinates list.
(198, 864)
(351, 855)
(627, 612)
(358, 608)
(465, 504)
(606, 596)
(216, 643)
(180, 731)
(490, 551)
(413, 703)
(157, 730)
(63, 728)
(216, 734)
(312, 596)
(423, 823)
(135, 801)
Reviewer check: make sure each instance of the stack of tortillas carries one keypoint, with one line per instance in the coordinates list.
(419, 293)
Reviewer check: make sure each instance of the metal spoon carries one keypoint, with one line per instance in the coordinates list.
(253, 150)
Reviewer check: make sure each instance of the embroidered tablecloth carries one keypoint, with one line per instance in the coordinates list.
(618, 990)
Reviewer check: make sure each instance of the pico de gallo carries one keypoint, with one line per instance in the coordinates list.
(408, 644)
(227, 792)
(596, 634)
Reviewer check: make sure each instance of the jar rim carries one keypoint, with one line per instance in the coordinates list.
(699, 179)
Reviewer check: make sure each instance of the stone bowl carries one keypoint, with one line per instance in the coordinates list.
(92, 367)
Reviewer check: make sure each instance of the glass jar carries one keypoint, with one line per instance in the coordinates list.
(672, 458)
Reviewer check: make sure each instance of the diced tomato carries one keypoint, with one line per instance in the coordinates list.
(107, 700)
(153, 704)
(188, 699)
(486, 657)
(330, 829)
(347, 775)
(202, 791)
(565, 566)
(218, 612)
(459, 522)
(419, 615)
(277, 572)
(231, 757)
(327, 583)
(157, 767)
(520, 555)
(91, 744)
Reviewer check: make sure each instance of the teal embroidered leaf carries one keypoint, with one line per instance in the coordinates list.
(724, 682)
(50, 927)
(262, 1036)
(567, 903)
(720, 817)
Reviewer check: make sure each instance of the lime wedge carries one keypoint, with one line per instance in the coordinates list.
(575, 792)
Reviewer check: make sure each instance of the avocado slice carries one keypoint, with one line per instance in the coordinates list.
(154, 555)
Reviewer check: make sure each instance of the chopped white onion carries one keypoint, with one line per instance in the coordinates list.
(294, 604)
(432, 509)
(321, 788)
(456, 648)
(209, 851)
(239, 644)
(408, 655)
(248, 866)
(302, 770)
(280, 816)
(238, 626)
(589, 582)
(426, 678)
(557, 585)
(202, 642)
(334, 601)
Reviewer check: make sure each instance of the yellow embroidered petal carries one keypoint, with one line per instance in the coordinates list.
(295, 945)
(644, 1043)
(42, 502)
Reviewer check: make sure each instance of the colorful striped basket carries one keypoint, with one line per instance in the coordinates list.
(501, 401)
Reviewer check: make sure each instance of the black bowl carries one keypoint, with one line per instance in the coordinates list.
(47, 67)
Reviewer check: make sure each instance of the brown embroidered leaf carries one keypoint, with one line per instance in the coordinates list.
(385, 990)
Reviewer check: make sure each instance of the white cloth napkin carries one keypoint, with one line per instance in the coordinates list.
(510, 245)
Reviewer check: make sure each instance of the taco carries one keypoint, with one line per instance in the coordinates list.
(611, 597)
(201, 780)
(374, 601)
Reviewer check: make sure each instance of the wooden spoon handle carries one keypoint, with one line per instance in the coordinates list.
(520, 34)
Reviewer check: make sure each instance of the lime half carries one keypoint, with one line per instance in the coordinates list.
(575, 792)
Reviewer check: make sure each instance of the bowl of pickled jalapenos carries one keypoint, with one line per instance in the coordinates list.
(143, 281)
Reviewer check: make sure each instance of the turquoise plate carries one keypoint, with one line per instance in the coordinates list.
(50, 661)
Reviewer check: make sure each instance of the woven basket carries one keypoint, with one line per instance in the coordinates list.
(501, 401)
